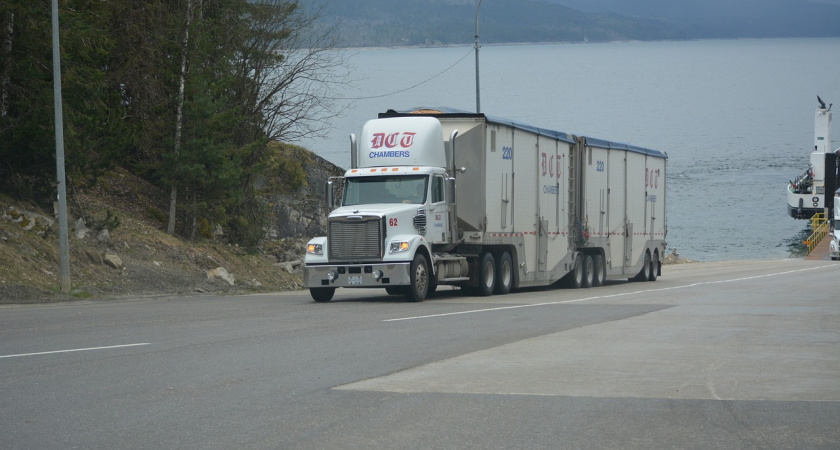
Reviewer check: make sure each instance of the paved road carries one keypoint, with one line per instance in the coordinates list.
(713, 355)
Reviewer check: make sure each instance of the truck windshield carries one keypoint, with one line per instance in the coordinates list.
(385, 189)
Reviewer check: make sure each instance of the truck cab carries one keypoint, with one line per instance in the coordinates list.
(392, 211)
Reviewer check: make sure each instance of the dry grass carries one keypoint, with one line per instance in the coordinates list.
(154, 262)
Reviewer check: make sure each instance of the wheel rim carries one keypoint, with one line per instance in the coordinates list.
(488, 275)
(602, 271)
(654, 262)
(506, 273)
(421, 278)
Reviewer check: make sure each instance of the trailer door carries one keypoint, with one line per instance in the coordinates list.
(526, 215)
(596, 199)
(548, 191)
(655, 192)
(553, 194)
(499, 179)
(620, 240)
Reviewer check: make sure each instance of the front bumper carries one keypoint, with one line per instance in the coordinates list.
(357, 275)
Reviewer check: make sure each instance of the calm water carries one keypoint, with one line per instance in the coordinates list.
(735, 117)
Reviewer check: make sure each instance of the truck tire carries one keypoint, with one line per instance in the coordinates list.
(654, 267)
(643, 274)
(588, 272)
(574, 279)
(419, 279)
(600, 274)
(322, 295)
(486, 275)
(504, 274)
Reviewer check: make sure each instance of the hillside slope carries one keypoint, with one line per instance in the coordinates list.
(118, 246)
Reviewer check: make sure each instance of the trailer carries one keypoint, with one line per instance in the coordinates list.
(438, 196)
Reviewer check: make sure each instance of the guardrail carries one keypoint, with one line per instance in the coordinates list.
(819, 225)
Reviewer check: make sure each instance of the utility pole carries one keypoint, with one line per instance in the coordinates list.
(63, 247)
(477, 88)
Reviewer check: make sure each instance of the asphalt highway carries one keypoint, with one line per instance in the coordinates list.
(742, 354)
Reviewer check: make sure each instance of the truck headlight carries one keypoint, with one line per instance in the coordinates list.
(315, 249)
(397, 247)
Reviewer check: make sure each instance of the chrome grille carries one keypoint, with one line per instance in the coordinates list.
(420, 221)
(355, 239)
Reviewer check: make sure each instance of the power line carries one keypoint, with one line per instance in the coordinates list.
(408, 88)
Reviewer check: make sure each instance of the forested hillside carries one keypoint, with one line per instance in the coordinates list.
(193, 96)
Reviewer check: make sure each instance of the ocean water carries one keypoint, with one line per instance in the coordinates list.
(736, 118)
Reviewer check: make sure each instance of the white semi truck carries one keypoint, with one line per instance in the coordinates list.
(446, 197)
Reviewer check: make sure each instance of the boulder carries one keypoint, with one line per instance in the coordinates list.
(111, 259)
(292, 266)
(221, 272)
(104, 236)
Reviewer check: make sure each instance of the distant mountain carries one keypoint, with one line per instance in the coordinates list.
(364, 23)
(728, 18)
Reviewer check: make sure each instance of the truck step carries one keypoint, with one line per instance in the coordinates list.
(450, 280)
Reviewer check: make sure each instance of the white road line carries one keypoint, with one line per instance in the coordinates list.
(74, 350)
(501, 308)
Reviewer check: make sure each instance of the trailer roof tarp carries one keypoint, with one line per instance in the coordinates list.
(595, 142)
(445, 110)
(559, 135)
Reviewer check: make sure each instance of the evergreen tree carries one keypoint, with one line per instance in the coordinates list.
(186, 93)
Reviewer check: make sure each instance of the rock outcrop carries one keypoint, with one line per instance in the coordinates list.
(303, 213)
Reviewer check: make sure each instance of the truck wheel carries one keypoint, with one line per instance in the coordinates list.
(486, 275)
(643, 274)
(322, 294)
(504, 274)
(574, 279)
(588, 272)
(600, 268)
(419, 280)
(654, 267)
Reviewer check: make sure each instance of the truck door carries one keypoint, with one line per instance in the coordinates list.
(439, 220)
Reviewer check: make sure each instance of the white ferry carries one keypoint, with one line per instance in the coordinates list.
(806, 194)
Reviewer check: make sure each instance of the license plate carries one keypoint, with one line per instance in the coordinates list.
(353, 280)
